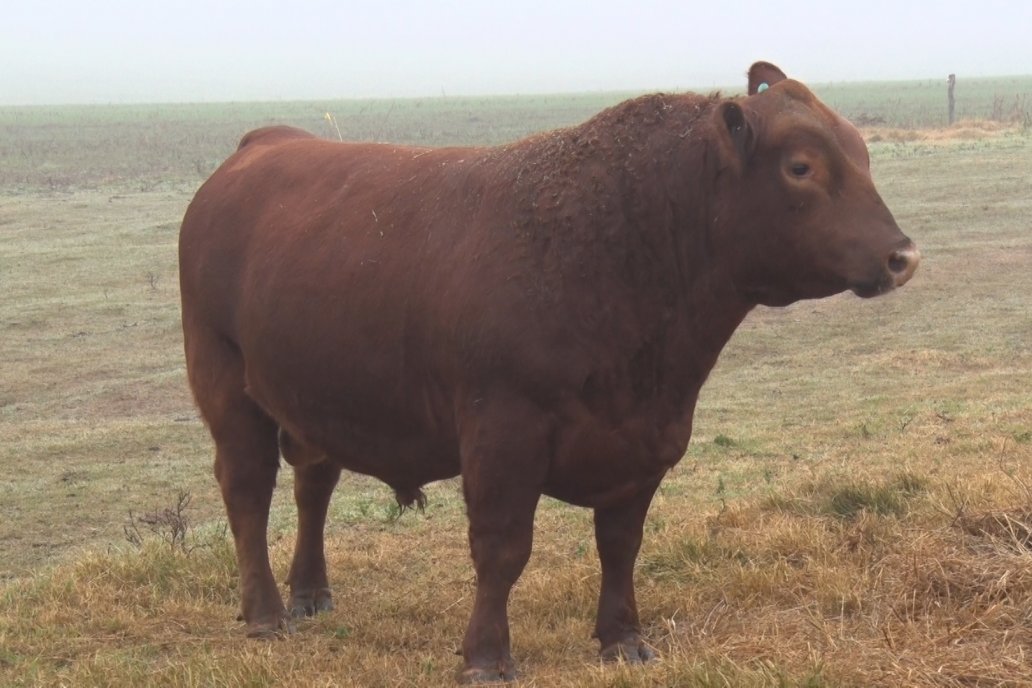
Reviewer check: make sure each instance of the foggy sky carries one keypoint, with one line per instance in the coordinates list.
(205, 50)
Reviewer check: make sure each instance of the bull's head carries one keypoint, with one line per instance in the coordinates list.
(806, 220)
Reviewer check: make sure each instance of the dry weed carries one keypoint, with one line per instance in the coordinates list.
(964, 130)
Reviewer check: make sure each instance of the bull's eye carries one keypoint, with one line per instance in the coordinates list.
(799, 169)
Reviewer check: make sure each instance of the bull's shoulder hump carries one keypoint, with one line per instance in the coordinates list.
(272, 135)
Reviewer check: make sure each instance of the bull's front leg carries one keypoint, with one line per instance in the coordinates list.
(501, 546)
(618, 532)
(503, 447)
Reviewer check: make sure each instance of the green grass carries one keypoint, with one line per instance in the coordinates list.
(852, 510)
(849, 498)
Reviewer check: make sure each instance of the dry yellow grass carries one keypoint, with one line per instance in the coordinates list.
(963, 130)
(774, 590)
(855, 508)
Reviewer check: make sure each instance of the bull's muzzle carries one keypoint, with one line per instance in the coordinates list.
(902, 264)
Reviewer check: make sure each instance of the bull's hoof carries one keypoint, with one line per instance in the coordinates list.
(632, 650)
(479, 676)
(310, 602)
(271, 630)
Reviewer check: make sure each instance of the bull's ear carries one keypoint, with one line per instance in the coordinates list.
(763, 73)
(740, 137)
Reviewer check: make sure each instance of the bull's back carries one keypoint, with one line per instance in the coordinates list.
(291, 212)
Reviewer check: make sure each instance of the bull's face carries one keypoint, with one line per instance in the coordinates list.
(807, 220)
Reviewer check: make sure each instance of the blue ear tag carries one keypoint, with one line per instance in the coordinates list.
(762, 87)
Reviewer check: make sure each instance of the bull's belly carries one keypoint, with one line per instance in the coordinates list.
(590, 467)
(387, 443)
(402, 460)
(593, 462)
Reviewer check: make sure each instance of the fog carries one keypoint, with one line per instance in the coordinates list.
(206, 50)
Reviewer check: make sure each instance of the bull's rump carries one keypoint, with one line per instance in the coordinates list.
(336, 271)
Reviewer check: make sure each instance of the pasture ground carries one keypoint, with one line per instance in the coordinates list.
(855, 508)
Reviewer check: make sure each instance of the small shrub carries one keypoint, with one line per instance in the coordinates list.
(169, 525)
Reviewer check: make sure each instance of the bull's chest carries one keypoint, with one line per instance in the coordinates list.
(596, 462)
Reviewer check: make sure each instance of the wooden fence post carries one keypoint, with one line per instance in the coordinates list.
(951, 81)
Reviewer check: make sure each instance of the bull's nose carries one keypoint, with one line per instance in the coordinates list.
(902, 264)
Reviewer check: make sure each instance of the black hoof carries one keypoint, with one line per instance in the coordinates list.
(271, 630)
(310, 602)
(482, 677)
(632, 650)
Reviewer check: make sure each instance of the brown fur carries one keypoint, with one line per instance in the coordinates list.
(537, 317)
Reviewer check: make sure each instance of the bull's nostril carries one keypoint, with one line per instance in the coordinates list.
(899, 261)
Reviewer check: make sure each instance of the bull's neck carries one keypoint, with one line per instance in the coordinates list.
(670, 180)
(628, 200)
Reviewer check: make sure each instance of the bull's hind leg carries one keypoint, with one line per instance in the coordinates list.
(618, 532)
(246, 462)
(315, 476)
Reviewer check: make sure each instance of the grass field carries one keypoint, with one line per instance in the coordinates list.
(154, 147)
(855, 508)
